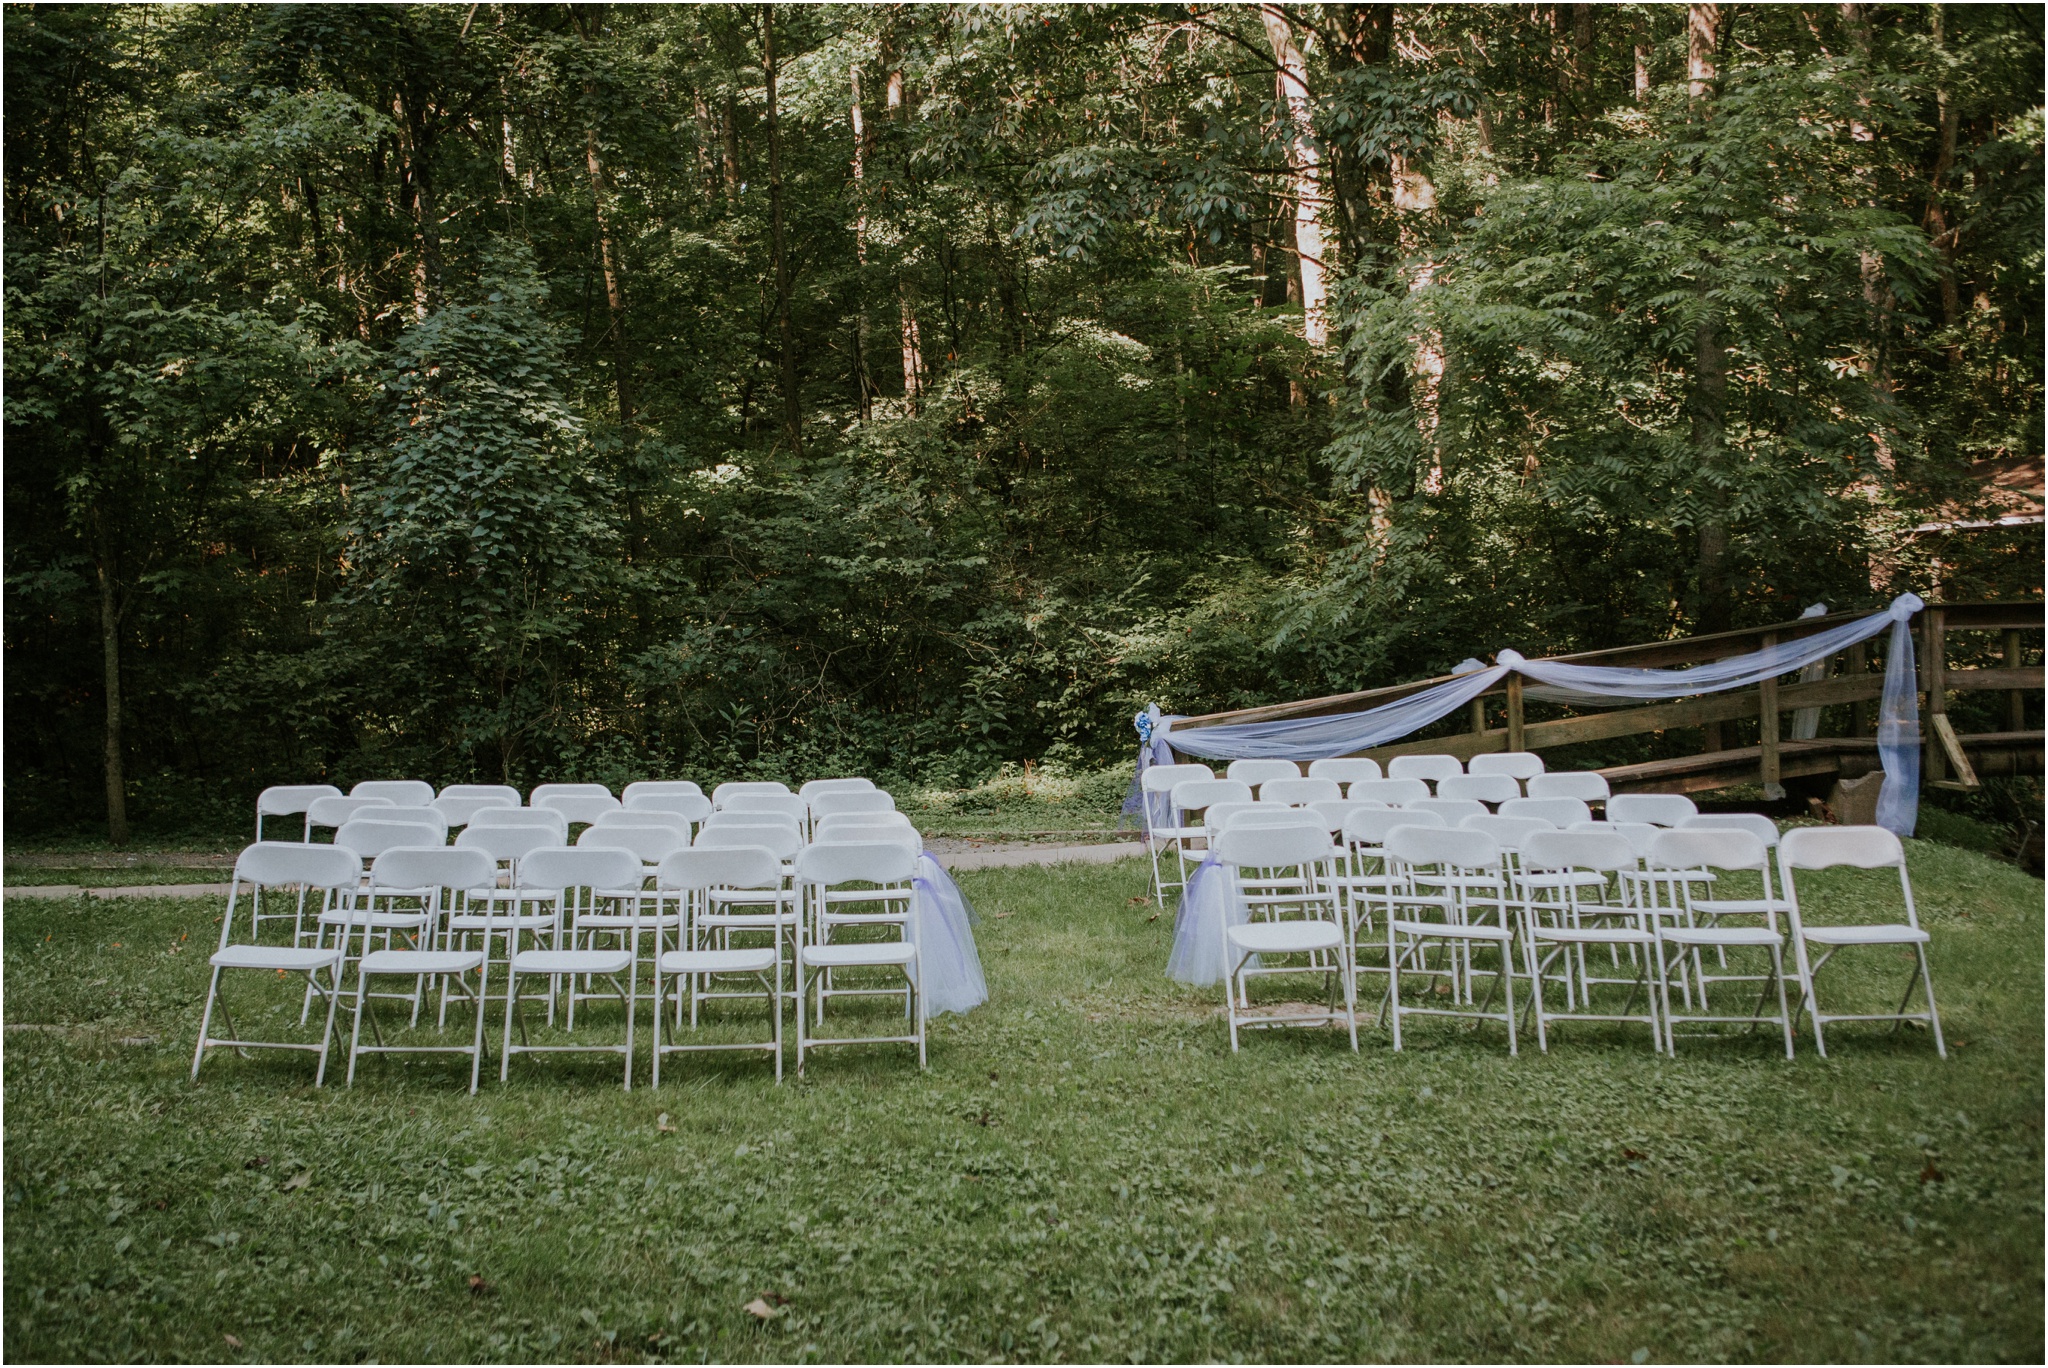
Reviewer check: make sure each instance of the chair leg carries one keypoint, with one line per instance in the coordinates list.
(511, 1006)
(476, 1044)
(327, 1031)
(205, 1021)
(1933, 1016)
(654, 1066)
(355, 1037)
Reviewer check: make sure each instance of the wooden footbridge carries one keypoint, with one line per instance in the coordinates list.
(1963, 652)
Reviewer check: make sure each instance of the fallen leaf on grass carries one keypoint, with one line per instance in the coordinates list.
(233, 1343)
(1153, 918)
(298, 1180)
(1138, 901)
(258, 1162)
(1931, 1174)
(767, 1306)
(998, 916)
(478, 1287)
(663, 1125)
(1633, 1154)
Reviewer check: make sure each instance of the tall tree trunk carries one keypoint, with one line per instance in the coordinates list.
(863, 386)
(1877, 291)
(1948, 123)
(1582, 63)
(416, 140)
(614, 288)
(913, 348)
(1710, 363)
(110, 651)
(1642, 59)
(1303, 159)
(792, 410)
(729, 134)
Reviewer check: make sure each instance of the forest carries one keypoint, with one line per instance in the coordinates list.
(525, 392)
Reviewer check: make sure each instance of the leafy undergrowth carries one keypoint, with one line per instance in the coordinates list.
(1023, 803)
(1085, 1172)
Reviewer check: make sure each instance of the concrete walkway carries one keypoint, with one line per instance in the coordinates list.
(952, 852)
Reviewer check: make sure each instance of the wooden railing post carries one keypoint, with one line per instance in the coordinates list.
(1767, 729)
(1859, 711)
(2016, 701)
(1933, 679)
(1514, 712)
(1478, 717)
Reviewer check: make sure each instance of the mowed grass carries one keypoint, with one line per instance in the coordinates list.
(1085, 1173)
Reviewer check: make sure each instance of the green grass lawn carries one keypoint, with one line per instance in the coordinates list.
(1085, 1172)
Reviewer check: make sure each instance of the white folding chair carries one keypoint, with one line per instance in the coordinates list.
(627, 909)
(822, 872)
(1518, 765)
(1658, 809)
(547, 819)
(832, 804)
(1431, 769)
(1715, 851)
(1566, 907)
(849, 785)
(568, 791)
(510, 907)
(1257, 772)
(1191, 800)
(1285, 876)
(1562, 813)
(329, 871)
(1348, 770)
(725, 791)
(726, 818)
(1165, 828)
(1392, 792)
(653, 842)
(691, 807)
(585, 808)
(1452, 810)
(1854, 847)
(434, 877)
(644, 816)
(290, 800)
(334, 813)
(844, 821)
(460, 803)
(403, 792)
(715, 885)
(425, 815)
(632, 794)
(1755, 823)
(574, 879)
(1335, 814)
(1457, 876)
(1300, 792)
(783, 804)
(1493, 789)
(1588, 786)
(371, 836)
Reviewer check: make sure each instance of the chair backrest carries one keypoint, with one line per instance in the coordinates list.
(691, 807)
(652, 844)
(852, 829)
(1162, 778)
(424, 815)
(1335, 814)
(433, 867)
(785, 841)
(720, 867)
(1562, 813)
(726, 817)
(1266, 815)
(1348, 770)
(1658, 809)
(675, 821)
(1452, 810)
(1257, 772)
(1269, 847)
(1486, 788)
(1514, 764)
(1758, 825)
(545, 818)
(288, 800)
(838, 862)
(403, 792)
(659, 788)
(1639, 835)
(1300, 792)
(1588, 786)
(1426, 767)
(576, 807)
(725, 791)
(1603, 851)
(1392, 792)
(369, 839)
(1370, 827)
(812, 788)
(1513, 833)
(272, 863)
(1217, 816)
(332, 812)
(565, 867)
(504, 792)
(461, 809)
(1708, 850)
(567, 791)
(1858, 847)
(1457, 848)
(1192, 795)
(862, 819)
(788, 804)
(857, 800)
(513, 843)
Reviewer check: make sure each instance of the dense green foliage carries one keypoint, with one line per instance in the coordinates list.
(415, 389)
(1086, 1173)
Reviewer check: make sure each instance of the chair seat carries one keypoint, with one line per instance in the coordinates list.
(1595, 935)
(750, 897)
(1283, 938)
(376, 921)
(626, 921)
(571, 962)
(1722, 935)
(1739, 907)
(741, 920)
(1455, 931)
(1563, 878)
(718, 961)
(495, 921)
(864, 918)
(1179, 833)
(857, 954)
(1864, 935)
(421, 961)
(293, 959)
